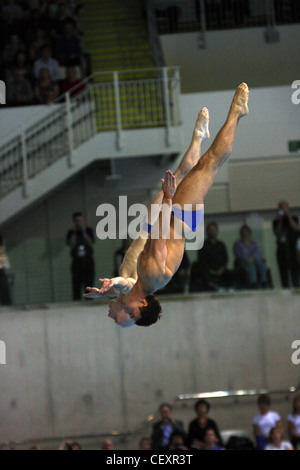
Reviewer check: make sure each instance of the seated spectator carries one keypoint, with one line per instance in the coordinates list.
(37, 5)
(40, 40)
(72, 83)
(11, 50)
(20, 91)
(247, 255)
(293, 421)
(145, 443)
(21, 63)
(34, 21)
(5, 298)
(68, 46)
(276, 442)
(12, 7)
(52, 9)
(107, 444)
(48, 62)
(76, 446)
(264, 421)
(163, 429)
(210, 272)
(61, 19)
(211, 440)
(177, 441)
(69, 445)
(46, 89)
(199, 426)
(11, 25)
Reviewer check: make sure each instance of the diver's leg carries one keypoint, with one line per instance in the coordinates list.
(199, 180)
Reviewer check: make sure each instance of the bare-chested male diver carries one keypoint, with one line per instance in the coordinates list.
(151, 265)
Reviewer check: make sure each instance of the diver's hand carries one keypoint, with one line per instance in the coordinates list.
(93, 293)
(169, 183)
(107, 284)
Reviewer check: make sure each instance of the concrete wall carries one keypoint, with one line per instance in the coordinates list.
(71, 371)
(234, 56)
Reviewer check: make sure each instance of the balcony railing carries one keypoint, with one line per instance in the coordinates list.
(175, 16)
(112, 101)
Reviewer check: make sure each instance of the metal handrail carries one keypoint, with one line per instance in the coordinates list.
(234, 394)
(62, 98)
(114, 101)
(190, 396)
(216, 15)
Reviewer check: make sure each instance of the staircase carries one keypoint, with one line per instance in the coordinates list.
(115, 35)
(114, 117)
(116, 38)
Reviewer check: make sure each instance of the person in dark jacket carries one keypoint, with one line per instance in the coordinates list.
(210, 272)
(287, 231)
(199, 426)
(163, 429)
(81, 239)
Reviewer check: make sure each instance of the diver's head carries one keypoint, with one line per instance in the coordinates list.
(141, 312)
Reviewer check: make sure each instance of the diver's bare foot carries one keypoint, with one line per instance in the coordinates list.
(201, 130)
(240, 100)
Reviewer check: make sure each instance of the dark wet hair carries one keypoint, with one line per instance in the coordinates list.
(202, 402)
(210, 428)
(150, 313)
(76, 214)
(212, 224)
(264, 399)
(177, 433)
(245, 227)
(162, 405)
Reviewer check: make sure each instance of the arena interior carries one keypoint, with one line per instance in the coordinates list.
(98, 99)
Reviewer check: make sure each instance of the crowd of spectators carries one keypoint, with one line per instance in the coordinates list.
(203, 432)
(41, 50)
(210, 272)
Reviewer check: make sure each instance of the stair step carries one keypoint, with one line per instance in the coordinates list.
(115, 35)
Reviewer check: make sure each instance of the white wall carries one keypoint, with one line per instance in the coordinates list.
(71, 371)
(12, 118)
(272, 122)
(234, 56)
